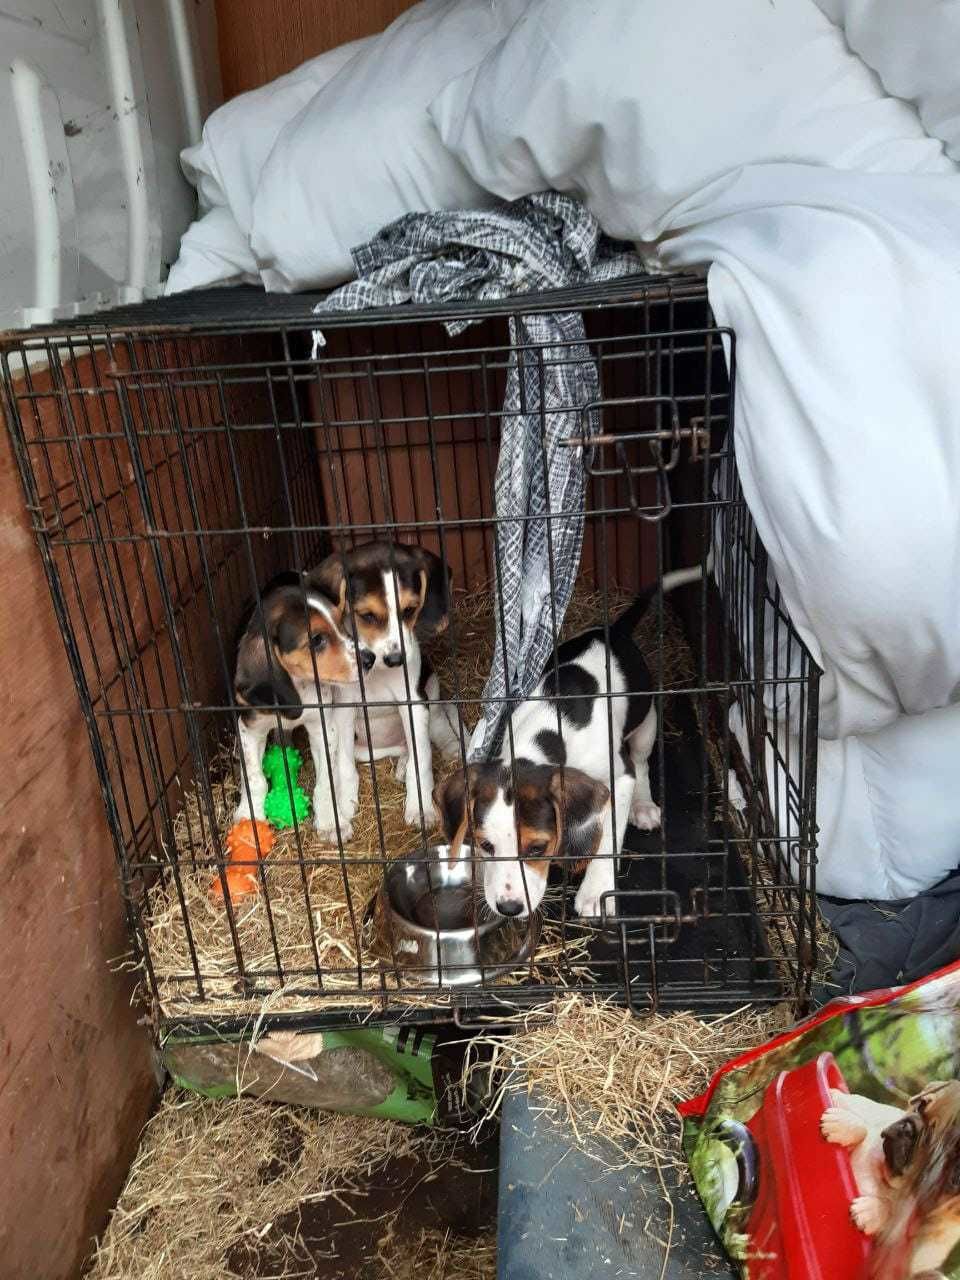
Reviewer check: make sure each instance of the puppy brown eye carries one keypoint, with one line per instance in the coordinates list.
(408, 613)
(318, 642)
(369, 618)
(486, 846)
(536, 850)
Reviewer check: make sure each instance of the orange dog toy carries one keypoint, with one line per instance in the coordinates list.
(243, 840)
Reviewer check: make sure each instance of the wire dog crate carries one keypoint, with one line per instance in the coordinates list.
(176, 456)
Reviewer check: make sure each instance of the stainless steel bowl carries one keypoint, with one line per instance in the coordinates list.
(426, 921)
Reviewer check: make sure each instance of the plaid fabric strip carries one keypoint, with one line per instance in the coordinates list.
(546, 241)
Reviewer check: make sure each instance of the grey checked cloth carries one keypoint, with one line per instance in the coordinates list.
(545, 241)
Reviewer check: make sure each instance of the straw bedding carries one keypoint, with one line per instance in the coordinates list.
(221, 1189)
(604, 1071)
(302, 869)
(600, 1072)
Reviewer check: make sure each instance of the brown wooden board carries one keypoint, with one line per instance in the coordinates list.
(263, 39)
(76, 1081)
(76, 1075)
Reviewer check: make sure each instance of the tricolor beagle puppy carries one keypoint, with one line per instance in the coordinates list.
(395, 596)
(291, 653)
(555, 801)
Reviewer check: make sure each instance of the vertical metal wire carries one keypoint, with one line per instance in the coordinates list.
(133, 442)
(349, 528)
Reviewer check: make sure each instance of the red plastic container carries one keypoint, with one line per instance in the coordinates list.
(800, 1227)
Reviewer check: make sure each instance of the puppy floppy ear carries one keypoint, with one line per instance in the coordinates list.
(453, 799)
(330, 579)
(437, 584)
(260, 680)
(581, 797)
(930, 1096)
(250, 611)
(578, 804)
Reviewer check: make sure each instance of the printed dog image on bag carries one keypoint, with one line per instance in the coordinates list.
(833, 1153)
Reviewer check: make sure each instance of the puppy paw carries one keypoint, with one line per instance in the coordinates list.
(587, 904)
(329, 834)
(348, 801)
(244, 813)
(842, 1128)
(411, 812)
(346, 814)
(645, 815)
(325, 822)
(589, 899)
(868, 1214)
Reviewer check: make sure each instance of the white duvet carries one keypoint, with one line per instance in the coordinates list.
(848, 442)
(830, 216)
(831, 222)
(844, 293)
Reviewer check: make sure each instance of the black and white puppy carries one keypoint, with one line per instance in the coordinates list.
(396, 595)
(291, 653)
(555, 801)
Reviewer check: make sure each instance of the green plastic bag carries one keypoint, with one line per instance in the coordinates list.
(372, 1071)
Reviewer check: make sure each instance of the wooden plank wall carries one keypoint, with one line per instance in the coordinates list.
(76, 1078)
(76, 1083)
(380, 461)
(262, 39)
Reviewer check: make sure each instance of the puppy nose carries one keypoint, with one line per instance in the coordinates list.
(393, 659)
(367, 659)
(509, 906)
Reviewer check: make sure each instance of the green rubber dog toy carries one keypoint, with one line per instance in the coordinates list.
(279, 764)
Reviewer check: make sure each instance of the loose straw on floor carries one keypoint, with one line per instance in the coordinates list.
(600, 1070)
(218, 1178)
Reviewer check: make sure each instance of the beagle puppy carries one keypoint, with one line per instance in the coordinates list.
(554, 800)
(396, 595)
(291, 653)
(521, 820)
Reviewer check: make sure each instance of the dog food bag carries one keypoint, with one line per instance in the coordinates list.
(833, 1152)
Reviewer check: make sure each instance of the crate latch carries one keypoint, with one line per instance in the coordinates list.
(663, 441)
(634, 909)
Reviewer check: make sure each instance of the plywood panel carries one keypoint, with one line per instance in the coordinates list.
(76, 1082)
(382, 462)
(410, 442)
(262, 39)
